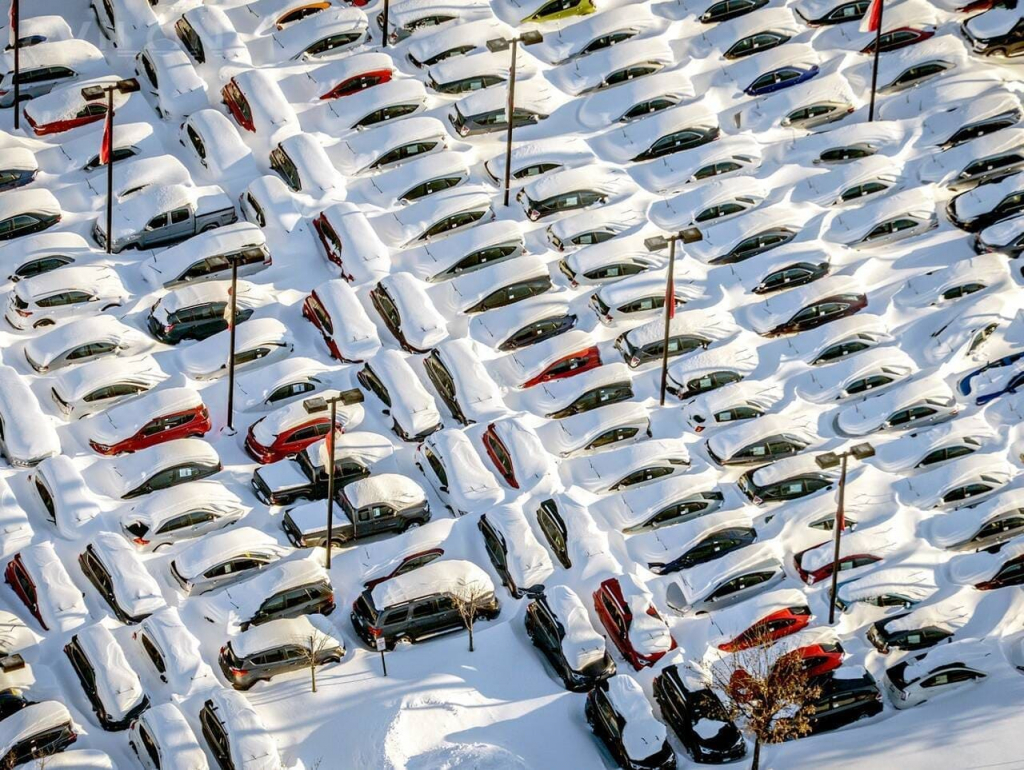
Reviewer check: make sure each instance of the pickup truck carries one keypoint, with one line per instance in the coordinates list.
(163, 214)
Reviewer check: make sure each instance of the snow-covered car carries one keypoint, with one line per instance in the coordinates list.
(774, 70)
(588, 227)
(525, 323)
(285, 381)
(66, 107)
(291, 428)
(392, 381)
(630, 466)
(116, 571)
(27, 436)
(418, 178)
(634, 100)
(597, 33)
(301, 161)
(810, 306)
(963, 482)
(455, 370)
(214, 142)
(349, 241)
(220, 559)
(707, 370)
(621, 716)
(875, 369)
(499, 286)
(987, 204)
(1006, 237)
(38, 732)
(808, 106)
(18, 168)
(945, 669)
(787, 479)
(983, 273)
(558, 625)
(686, 333)
(751, 33)
(594, 430)
(47, 65)
(257, 103)
(239, 248)
(626, 609)
(716, 200)
(667, 132)
(912, 404)
(55, 296)
(571, 189)
(611, 66)
(484, 112)
(171, 78)
(41, 581)
(374, 106)
(210, 38)
(609, 261)
(82, 340)
(996, 32)
(477, 72)
(258, 343)
(775, 615)
(705, 539)
(279, 647)
(755, 232)
(640, 297)
(110, 683)
(886, 220)
(955, 122)
(519, 559)
(592, 390)
(464, 252)
(268, 203)
(731, 156)
(63, 495)
(322, 35)
(921, 449)
(851, 181)
(334, 309)
(454, 40)
(160, 467)
(351, 74)
(370, 151)
(516, 453)
(989, 158)
(991, 569)
(454, 469)
(764, 439)
(180, 513)
(672, 499)
(435, 217)
(743, 400)
(23, 212)
(38, 254)
(383, 560)
(82, 390)
(402, 302)
(232, 729)
(200, 311)
(162, 734)
(726, 581)
(901, 588)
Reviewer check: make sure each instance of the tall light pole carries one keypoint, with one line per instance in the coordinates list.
(16, 42)
(330, 475)
(831, 460)
(531, 37)
(232, 322)
(873, 19)
(384, 44)
(657, 243)
(94, 93)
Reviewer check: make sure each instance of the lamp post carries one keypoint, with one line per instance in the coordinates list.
(232, 322)
(875, 13)
(384, 31)
(831, 460)
(16, 42)
(95, 93)
(657, 243)
(531, 37)
(330, 476)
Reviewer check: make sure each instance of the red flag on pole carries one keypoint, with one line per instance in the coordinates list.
(107, 137)
(13, 36)
(872, 18)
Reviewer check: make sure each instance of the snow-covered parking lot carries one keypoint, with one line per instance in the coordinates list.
(489, 378)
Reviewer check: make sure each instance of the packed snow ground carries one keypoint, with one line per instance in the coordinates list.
(501, 706)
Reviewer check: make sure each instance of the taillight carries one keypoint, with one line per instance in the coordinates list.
(23, 313)
(140, 541)
(239, 671)
(375, 632)
(330, 598)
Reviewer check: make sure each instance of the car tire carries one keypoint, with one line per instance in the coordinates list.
(412, 525)
(42, 322)
(211, 226)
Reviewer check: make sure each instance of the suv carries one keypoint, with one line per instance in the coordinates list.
(37, 731)
(235, 734)
(111, 685)
(686, 703)
(844, 700)
(278, 647)
(619, 705)
(558, 626)
(885, 639)
(421, 604)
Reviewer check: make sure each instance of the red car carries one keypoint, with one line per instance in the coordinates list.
(500, 456)
(567, 366)
(851, 561)
(288, 430)
(614, 602)
(818, 659)
(163, 415)
(331, 242)
(88, 112)
(19, 579)
(898, 38)
(357, 83)
(769, 628)
(238, 105)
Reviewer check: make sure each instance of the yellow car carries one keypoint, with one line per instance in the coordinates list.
(552, 10)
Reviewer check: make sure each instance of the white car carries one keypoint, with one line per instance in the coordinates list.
(520, 560)
(82, 340)
(162, 735)
(259, 342)
(387, 144)
(214, 141)
(435, 217)
(418, 178)
(941, 670)
(924, 401)
(62, 494)
(36, 254)
(875, 369)
(180, 513)
(592, 431)
(83, 390)
(224, 558)
(55, 296)
(321, 36)
(363, 110)
(168, 74)
(962, 482)
(851, 181)
(27, 436)
(635, 100)
(465, 251)
(628, 466)
(391, 379)
(117, 573)
(672, 499)
(455, 471)
(611, 66)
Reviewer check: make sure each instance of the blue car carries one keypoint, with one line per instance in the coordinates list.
(1011, 386)
(13, 178)
(965, 384)
(780, 78)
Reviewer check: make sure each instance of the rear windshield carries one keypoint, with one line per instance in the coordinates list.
(364, 606)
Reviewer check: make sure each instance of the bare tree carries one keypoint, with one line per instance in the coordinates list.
(470, 598)
(765, 691)
(312, 652)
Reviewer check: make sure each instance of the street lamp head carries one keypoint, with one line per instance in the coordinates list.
(691, 235)
(127, 86)
(656, 243)
(92, 93)
(532, 37)
(827, 460)
(862, 451)
(498, 44)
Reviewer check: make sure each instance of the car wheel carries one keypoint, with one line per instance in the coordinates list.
(211, 226)
(412, 525)
(162, 545)
(105, 308)
(42, 323)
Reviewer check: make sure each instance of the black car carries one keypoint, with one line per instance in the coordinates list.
(538, 331)
(793, 275)
(1010, 205)
(12, 178)
(514, 292)
(603, 395)
(195, 323)
(853, 10)
(703, 384)
(492, 120)
(788, 489)
(89, 672)
(36, 732)
(770, 448)
(844, 700)
(683, 708)
(724, 10)
(98, 574)
(820, 313)
(609, 724)
(677, 141)
(546, 627)
(12, 700)
(303, 478)
(386, 307)
(885, 640)
(1007, 44)
(714, 546)
(759, 243)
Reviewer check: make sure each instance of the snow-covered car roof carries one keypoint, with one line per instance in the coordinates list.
(352, 330)
(482, 63)
(99, 280)
(1002, 233)
(60, 601)
(528, 561)
(589, 72)
(135, 590)
(447, 37)
(778, 308)
(74, 54)
(452, 576)
(477, 392)
(720, 238)
(826, 188)
(170, 264)
(947, 167)
(642, 735)
(553, 395)
(636, 504)
(171, 730)
(137, 210)
(181, 90)
(432, 258)
(726, 442)
(411, 405)
(926, 489)
(788, 468)
(392, 488)
(85, 149)
(74, 505)
(992, 23)
(245, 598)
(33, 720)
(738, 356)
(270, 108)
(954, 527)
(720, 37)
(122, 421)
(276, 202)
(365, 256)
(406, 225)
(317, 175)
(623, 144)
(77, 382)
(687, 286)
(134, 175)
(351, 110)
(358, 150)
(363, 446)
(248, 738)
(772, 111)
(865, 416)
(127, 472)
(256, 387)
(581, 644)
(212, 549)
(286, 631)
(82, 331)
(587, 544)
(165, 504)
(762, 394)
(678, 211)
(206, 357)
(116, 684)
(19, 159)
(295, 38)
(973, 568)
(422, 324)
(662, 545)
(743, 72)
(711, 324)
(64, 102)
(983, 198)
(36, 200)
